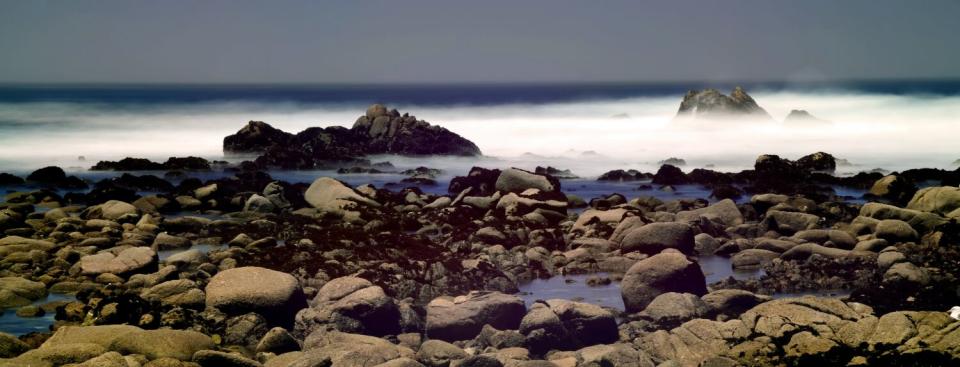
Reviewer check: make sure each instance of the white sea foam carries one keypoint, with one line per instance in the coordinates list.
(872, 130)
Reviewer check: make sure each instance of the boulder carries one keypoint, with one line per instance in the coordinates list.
(272, 294)
(129, 261)
(179, 292)
(838, 238)
(817, 162)
(277, 341)
(724, 211)
(165, 241)
(895, 188)
(103, 335)
(161, 343)
(789, 222)
(944, 201)
(583, 324)
(212, 358)
(16, 292)
(463, 317)
(667, 271)
(255, 137)
(752, 258)
(350, 304)
(331, 196)
(112, 210)
(671, 309)
(922, 221)
(655, 237)
(804, 251)
(438, 353)
(517, 181)
(618, 354)
(732, 302)
(259, 204)
(345, 349)
(10, 346)
(895, 231)
(670, 175)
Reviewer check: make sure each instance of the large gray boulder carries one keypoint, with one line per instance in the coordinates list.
(563, 324)
(724, 211)
(112, 210)
(920, 220)
(335, 348)
(671, 309)
(944, 201)
(668, 271)
(353, 305)
(789, 222)
(333, 197)
(517, 181)
(272, 294)
(163, 343)
(655, 237)
(895, 231)
(463, 317)
(128, 261)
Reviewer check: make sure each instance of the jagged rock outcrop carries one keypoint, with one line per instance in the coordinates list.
(379, 131)
(801, 118)
(710, 103)
(388, 132)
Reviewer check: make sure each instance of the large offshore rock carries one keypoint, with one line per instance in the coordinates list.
(710, 103)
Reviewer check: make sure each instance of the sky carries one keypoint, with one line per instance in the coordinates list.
(443, 41)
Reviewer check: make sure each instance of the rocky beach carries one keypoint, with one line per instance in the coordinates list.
(237, 262)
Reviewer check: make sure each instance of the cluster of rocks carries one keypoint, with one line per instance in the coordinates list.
(379, 131)
(710, 104)
(329, 274)
(143, 164)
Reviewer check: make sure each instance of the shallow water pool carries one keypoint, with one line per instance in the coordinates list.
(574, 288)
(12, 324)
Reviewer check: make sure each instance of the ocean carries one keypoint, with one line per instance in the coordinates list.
(588, 128)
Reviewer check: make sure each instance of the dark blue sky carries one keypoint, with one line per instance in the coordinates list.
(475, 41)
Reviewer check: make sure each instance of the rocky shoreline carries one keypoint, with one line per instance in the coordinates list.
(273, 273)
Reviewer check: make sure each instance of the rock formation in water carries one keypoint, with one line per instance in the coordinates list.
(802, 118)
(711, 104)
(379, 131)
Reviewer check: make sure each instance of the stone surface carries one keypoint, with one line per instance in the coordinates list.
(658, 274)
(463, 317)
(275, 295)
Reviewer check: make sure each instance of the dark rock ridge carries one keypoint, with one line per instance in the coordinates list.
(143, 164)
(379, 131)
(674, 161)
(710, 103)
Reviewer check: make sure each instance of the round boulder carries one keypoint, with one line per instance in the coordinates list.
(655, 237)
(668, 271)
(273, 294)
(463, 317)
